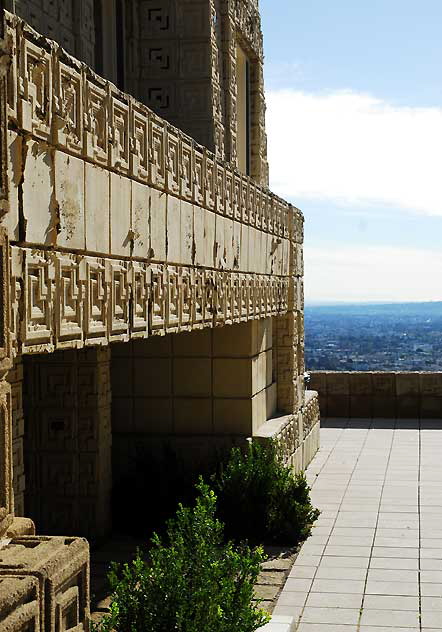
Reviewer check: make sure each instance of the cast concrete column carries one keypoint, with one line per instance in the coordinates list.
(68, 442)
(15, 379)
(289, 363)
(290, 328)
(6, 490)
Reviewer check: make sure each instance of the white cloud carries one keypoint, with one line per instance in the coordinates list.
(373, 273)
(355, 149)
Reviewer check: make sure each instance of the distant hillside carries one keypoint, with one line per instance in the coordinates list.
(396, 336)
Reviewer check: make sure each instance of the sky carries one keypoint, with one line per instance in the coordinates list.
(354, 125)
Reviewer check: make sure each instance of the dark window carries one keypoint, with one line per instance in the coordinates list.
(119, 19)
(98, 24)
(248, 119)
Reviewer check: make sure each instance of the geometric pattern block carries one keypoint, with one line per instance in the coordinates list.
(297, 435)
(15, 379)
(75, 301)
(68, 442)
(19, 604)
(61, 567)
(6, 486)
(55, 98)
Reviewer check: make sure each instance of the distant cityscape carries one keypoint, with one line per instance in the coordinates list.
(395, 337)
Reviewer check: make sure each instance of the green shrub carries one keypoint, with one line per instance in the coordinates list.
(192, 582)
(261, 500)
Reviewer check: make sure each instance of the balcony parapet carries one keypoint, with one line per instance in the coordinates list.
(60, 101)
(378, 394)
(297, 435)
(122, 226)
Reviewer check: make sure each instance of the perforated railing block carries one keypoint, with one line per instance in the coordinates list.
(60, 568)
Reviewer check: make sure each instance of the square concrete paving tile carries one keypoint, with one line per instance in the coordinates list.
(381, 541)
(405, 589)
(431, 532)
(431, 619)
(348, 551)
(403, 618)
(352, 531)
(343, 561)
(431, 543)
(349, 505)
(431, 576)
(313, 549)
(317, 540)
(431, 590)
(431, 603)
(354, 540)
(346, 616)
(394, 563)
(322, 530)
(340, 587)
(393, 575)
(399, 532)
(303, 572)
(308, 560)
(350, 519)
(383, 551)
(295, 599)
(334, 600)
(403, 516)
(297, 585)
(288, 611)
(391, 602)
(331, 572)
(408, 513)
(432, 554)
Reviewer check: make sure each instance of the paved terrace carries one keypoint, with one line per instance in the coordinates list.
(374, 561)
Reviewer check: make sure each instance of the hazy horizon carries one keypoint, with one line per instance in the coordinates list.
(319, 303)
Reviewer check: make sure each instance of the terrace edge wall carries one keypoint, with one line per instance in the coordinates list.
(378, 394)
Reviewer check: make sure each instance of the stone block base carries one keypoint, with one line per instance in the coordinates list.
(55, 573)
(298, 434)
(19, 604)
(378, 394)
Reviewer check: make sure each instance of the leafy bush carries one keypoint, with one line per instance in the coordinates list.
(191, 582)
(261, 500)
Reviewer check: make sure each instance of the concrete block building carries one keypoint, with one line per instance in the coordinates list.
(151, 283)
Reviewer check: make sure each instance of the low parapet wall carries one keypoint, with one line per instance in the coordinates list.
(378, 394)
(297, 435)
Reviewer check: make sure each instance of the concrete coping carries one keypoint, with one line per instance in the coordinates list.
(280, 623)
(272, 427)
(309, 395)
